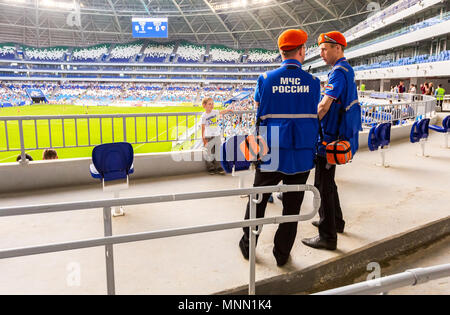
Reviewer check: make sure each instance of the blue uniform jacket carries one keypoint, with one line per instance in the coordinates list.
(342, 88)
(288, 98)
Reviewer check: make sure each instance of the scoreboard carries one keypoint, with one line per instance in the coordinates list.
(150, 27)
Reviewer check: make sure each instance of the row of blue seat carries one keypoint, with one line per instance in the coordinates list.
(443, 56)
(380, 135)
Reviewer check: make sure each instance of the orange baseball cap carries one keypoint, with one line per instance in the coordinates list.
(333, 37)
(291, 39)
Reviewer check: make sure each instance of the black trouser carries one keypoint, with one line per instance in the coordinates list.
(330, 210)
(292, 201)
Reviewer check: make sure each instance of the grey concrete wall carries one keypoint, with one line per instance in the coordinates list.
(70, 172)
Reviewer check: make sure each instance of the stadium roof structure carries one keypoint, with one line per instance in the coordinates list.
(239, 24)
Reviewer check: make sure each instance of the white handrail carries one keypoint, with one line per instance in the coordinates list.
(385, 284)
(109, 239)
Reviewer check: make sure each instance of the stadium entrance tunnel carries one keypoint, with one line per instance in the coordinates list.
(37, 96)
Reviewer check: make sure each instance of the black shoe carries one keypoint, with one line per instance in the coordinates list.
(244, 251)
(280, 261)
(211, 172)
(319, 243)
(316, 224)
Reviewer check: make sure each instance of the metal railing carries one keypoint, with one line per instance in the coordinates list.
(255, 196)
(78, 131)
(28, 133)
(402, 109)
(385, 284)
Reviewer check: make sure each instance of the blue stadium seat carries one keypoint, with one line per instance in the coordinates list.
(445, 129)
(379, 136)
(372, 142)
(231, 155)
(419, 130)
(383, 133)
(112, 161)
(445, 126)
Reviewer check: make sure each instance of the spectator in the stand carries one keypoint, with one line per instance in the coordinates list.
(363, 87)
(396, 115)
(409, 112)
(27, 156)
(427, 88)
(431, 88)
(211, 135)
(440, 93)
(401, 87)
(422, 88)
(49, 154)
(412, 89)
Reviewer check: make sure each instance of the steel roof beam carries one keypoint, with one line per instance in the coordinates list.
(185, 19)
(327, 9)
(221, 21)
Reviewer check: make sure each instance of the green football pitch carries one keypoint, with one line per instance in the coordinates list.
(162, 130)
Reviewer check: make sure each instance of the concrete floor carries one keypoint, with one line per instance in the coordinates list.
(377, 203)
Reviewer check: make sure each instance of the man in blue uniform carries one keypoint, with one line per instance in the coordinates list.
(340, 95)
(287, 100)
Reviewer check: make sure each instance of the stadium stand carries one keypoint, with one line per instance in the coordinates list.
(222, 54)
(7, 51)
(262, 56)
(13, 97)
(157, 52)
(368, 25)
(123, 53)
(45, 54)
(404, 30)
(219, 93)
(175, 93)
(90, 54)
(393, 9)
(190, 53)
(443, 56)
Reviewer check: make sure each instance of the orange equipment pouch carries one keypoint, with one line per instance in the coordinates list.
(254, 148)
(338, 152)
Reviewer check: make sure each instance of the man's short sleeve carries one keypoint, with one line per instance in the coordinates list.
(336, 84)
(257, 92)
